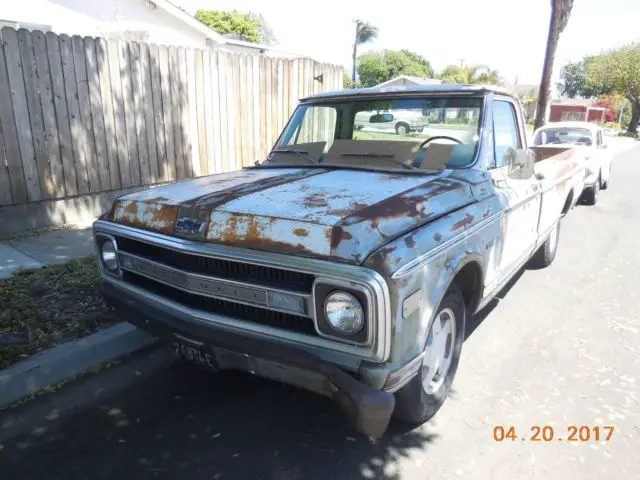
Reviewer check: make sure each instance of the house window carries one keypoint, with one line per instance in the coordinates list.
(572, 116)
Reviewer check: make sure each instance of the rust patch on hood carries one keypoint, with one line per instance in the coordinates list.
(315, 200)
(298, 232)
(464, 222)
(407, 204)
(150, 216)
(338, 234)
(249, 231)
(410, 242)
(216, 199)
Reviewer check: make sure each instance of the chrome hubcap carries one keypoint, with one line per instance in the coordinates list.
(439, 351)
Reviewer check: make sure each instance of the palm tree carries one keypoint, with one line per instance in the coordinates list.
(365, 32)
(560, 12)
(470, 74)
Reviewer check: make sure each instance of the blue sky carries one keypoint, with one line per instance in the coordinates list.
(508, 35)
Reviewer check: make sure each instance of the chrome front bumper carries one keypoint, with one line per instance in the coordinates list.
(368, 409)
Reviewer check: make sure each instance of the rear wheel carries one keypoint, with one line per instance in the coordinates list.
(422, 397)
(591, 195)
(605, 185)
(545, 255)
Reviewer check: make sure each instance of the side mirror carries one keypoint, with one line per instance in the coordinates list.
(521, 164)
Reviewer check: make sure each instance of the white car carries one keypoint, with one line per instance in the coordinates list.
(400, 121)
(590, 137)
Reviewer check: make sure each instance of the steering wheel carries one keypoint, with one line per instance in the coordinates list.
(437, 137)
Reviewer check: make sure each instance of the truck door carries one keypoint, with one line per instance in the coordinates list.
(521, 196)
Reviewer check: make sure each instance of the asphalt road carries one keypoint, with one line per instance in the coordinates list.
(561, 348)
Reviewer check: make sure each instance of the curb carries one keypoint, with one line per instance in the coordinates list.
(69, 359)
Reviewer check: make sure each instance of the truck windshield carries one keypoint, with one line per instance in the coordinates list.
(422, 134)
(563, 136)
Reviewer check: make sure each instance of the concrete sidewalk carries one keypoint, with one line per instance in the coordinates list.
(51, 247)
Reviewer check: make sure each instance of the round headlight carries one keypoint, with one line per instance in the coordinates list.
(109, 256)
(344, 312)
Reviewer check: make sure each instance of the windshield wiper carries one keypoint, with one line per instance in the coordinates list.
(385, 156)
(301, 153)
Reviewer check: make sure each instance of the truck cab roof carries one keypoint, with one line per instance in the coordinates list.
(409, 90)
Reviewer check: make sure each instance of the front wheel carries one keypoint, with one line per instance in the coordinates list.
(402, 129)
(422, 397)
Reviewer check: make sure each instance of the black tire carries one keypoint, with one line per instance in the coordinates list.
(413, 404)
(605, 185)
(403, 126)
(592, 193)
(546, 253)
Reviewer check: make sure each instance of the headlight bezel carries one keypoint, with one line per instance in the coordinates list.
(321, 292)
(100, 241)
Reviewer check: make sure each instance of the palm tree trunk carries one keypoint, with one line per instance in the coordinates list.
(355, 53)
(552, 44)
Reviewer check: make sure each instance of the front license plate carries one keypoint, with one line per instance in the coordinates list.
(197, 355)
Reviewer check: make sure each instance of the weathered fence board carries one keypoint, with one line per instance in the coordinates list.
(35, 111)
(8, 127)
(129, 110)
(104, 79)
(21, 113)
(84, 107)
(158, 116)
(51, 135)
(193, 115)
(5, 183)
(62, 116)
(86, 115)
(148, 105)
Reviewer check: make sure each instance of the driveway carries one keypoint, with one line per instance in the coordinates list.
(561, 348)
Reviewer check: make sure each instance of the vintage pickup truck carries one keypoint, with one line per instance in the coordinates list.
(346, 262)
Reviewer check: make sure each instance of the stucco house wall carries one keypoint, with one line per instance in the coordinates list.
(136, 20)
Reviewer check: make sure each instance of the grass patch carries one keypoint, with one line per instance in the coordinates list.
(360, 135)
(42, 307)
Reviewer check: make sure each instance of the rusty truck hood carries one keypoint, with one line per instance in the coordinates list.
(339, 215)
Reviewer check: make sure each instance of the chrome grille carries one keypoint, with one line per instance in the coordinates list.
(238, 271)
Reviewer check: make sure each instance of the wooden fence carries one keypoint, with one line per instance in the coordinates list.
(85, 115)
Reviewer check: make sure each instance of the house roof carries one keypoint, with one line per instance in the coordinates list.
(192, 22)
(415, 80)
(411, 89)
(217, 39)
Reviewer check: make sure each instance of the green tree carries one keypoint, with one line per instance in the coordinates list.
(575, 81)
(264, 29)
(346, 80)
(378, 67)
(560, 13)
(470, 74)
(365, 33)
(619, 71)
(251, 26)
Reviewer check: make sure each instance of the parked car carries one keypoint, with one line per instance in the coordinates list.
(588, 136)
(399, 121)
(346, 267)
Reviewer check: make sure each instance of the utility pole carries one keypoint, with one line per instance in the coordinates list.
(620, 117)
